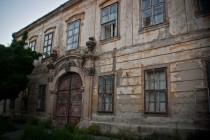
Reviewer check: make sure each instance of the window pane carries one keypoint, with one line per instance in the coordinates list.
(156, 2)
(147, 17)
(158, 14)
(162, 96)
(145, 4)
(162, 107)
(151, 97)
(151, 107)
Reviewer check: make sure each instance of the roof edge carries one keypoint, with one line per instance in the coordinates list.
(45, 17)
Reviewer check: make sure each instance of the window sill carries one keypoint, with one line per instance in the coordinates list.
(104, 113)
(200, 15)
(110, 40)
(150, 114)
(70, 51)
(153, 27)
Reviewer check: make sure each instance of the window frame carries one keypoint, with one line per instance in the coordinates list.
(165, 22)
(198, 10)
(33, 41)
(208, 81)
(102, 25)
(166, 91)
(113, 90)
(67, 37)
(42, 88)
(51, 45)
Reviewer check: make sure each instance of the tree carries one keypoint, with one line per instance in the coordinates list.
(16, 64)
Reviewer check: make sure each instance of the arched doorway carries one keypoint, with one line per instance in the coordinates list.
(69, 99)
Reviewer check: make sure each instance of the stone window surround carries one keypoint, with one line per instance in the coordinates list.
(106, 3)
(153, 27)
(166, 66)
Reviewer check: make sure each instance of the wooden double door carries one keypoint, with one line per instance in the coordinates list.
(69, 100)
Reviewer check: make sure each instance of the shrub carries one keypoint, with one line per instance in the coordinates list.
(6, 125)
(35, 132)
(94, 129)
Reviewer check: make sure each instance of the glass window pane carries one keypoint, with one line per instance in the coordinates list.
(49, 42)
(147, 17)
(162, 107)
(156, 2)
(45, 49)
(145, 4)
(158, 14)
(152, 97)
(50, 36)
(70, 33)
(76, 30)
(105, 19)
(162, 97)
(151, 107)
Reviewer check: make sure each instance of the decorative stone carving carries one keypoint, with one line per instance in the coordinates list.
(91, 44)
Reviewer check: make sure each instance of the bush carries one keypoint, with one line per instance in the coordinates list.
(94, 129)
(6, 125)
(35, 132)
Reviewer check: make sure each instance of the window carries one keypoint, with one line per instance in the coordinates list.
(203, 6)
(109, 17)
(155, 91)
(152, 12)
(32, 45)
(73, 35)
(48, 41)
(105, 94)
(41, 98)
(208, 78)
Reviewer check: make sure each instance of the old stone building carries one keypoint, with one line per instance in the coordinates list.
(137, 64)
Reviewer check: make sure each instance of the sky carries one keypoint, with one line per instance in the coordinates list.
(16, 14)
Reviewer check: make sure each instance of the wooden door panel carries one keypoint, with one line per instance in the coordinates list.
(68, 106)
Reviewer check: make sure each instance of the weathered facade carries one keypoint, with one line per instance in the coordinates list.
(145, 67)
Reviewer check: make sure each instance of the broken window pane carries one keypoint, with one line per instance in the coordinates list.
(109, 22)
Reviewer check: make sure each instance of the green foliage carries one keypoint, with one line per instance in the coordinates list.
(35, 132)
(94, 129)
(16, 64)
(38, 131)
(6, 125)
